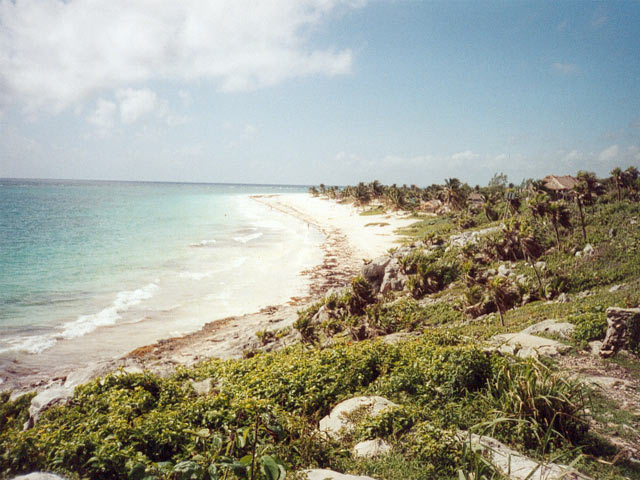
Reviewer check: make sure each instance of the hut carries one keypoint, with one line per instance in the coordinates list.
(560, 184)
(475, 200)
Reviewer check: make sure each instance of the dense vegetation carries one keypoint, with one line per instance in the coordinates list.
(260, 414)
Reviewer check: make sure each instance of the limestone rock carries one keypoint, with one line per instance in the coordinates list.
(563, 298)
(595, 346)
(516, 466)
(588, 250)
(371, 448)
(202, 387)
(322, 474)
(623, 325)
(528, 345)
(615, 288)
(504, 270)
(609, 382)
(38, 476)
(373, 272)
(562, 329)
(394, 279)
(337, 422)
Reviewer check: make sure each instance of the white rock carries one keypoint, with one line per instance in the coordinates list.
(615, 288)
(322, 474)
(504, 270)
(588, 250)
(371, 448)
(530, 344)
(203, 387)
(337, 422)
(38, 476)
(595, 347)
(541, 265)
(562, 329)
(608, 382)
(516, 466)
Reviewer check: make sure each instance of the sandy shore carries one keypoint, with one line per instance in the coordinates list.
(349, 239)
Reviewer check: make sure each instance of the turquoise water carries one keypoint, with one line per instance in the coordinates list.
(78, 257)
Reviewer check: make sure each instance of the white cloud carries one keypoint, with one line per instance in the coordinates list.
(136, 103)
(465, 156)
(609, 154)
(565, 68)
(55, 53)
(573, 156)
(103, 116)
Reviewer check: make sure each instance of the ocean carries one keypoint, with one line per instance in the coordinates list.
(91, 270)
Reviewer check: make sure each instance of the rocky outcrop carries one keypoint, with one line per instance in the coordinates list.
(524, 345)
(340, 420)
(371, 448)
(623, 330)
(323, 474)
(385, 273)
(516, 466)
(553, 327)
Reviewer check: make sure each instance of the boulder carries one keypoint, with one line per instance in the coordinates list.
(373, 272)
(203, 387)
(38, 476)
(394, 279)
(516, 466)
(623, 330)
(608, 382)
(504, 270)
(338, 421)
(524, 345)
(588, 250)
(323, 474)
(321, 316)
(371, 448)
(554, 327)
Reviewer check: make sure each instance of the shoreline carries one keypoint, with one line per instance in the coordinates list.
(345, 231)
(343, 257)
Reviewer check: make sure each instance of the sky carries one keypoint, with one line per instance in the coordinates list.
(317, 91)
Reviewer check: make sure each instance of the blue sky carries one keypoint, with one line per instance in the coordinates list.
(310, 91)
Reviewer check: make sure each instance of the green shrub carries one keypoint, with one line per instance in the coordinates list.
(589, 326)
(439, 449)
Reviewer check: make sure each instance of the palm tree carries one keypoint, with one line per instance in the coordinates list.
(631, 176)
(531, 248)
(377, 189)
(559, 216)
(498, 290)
(539, 204)
(585, 193)
(617, 176)
(452, 193)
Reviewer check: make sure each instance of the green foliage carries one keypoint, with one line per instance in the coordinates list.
(545, 409)
(439, 449)
(590, 325)
(14, 413)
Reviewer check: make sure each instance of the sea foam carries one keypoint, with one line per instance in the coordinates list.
(124, 300)
(248, 238)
